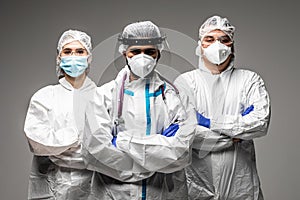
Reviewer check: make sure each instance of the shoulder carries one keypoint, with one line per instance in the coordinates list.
(104, 93)
(44, 96)
(188, 76)
(188, 80)
(247, 75)
(44, 93)
(106, 88)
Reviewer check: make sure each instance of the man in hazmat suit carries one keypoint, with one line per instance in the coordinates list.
(139, 135)
(54, 125)
(232, 107)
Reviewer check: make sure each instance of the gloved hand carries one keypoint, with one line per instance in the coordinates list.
(203, 121)
(248, 110)
(171, 130)
(114, 141)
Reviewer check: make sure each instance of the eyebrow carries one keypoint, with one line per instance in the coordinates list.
(133, 49)
(75, 49)
(210, 36)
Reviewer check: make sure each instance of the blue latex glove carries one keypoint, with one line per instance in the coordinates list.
(203, 121)
(248, 110)
(114, 141)
(171, 130)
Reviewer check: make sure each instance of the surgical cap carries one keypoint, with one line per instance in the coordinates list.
(140, 30)
(74, 35)
(214, 23)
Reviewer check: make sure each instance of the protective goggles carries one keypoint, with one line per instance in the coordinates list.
(222, 39)
(77, 52)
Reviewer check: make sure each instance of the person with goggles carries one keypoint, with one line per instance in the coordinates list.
(232, 107)
(54, 125)
(139, 137)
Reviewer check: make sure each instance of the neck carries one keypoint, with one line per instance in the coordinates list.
(216, 69)
(132, 77)
(76, 82)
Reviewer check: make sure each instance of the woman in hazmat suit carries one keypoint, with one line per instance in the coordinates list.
(54, 125)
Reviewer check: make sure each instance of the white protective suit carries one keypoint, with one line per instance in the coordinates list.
(54, 128)
(222, 169)
(141, 152)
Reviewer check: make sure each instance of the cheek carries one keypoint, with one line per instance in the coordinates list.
(129, 55)
(204, 45)
(201, 49)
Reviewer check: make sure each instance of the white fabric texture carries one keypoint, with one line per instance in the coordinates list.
(220, 168)
(54, 127)
(141, 150)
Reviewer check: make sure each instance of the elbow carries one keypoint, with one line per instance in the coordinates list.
(43, 150)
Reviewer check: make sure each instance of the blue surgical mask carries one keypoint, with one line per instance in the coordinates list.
(74, 65)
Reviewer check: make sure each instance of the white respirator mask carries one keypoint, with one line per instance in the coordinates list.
(142, 64)
(217, 52)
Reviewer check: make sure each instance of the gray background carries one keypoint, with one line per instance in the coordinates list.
(267, 42)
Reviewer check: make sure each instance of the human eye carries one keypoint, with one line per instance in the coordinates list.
(80, 51)
(67, 51)
(225, 40)
(150, 52)
(135, 51)
(209, 39)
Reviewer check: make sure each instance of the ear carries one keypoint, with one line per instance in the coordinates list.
(90, 59)
(58, 60)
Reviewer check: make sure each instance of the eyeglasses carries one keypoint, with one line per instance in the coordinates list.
(148, 51)
(77, 52)
(223, 39)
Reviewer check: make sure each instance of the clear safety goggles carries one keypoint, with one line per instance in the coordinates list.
(207, 40)
(77, 52)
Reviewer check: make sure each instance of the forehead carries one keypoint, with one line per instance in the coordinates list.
(215, 33)
(73, 45)
(141, 47)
